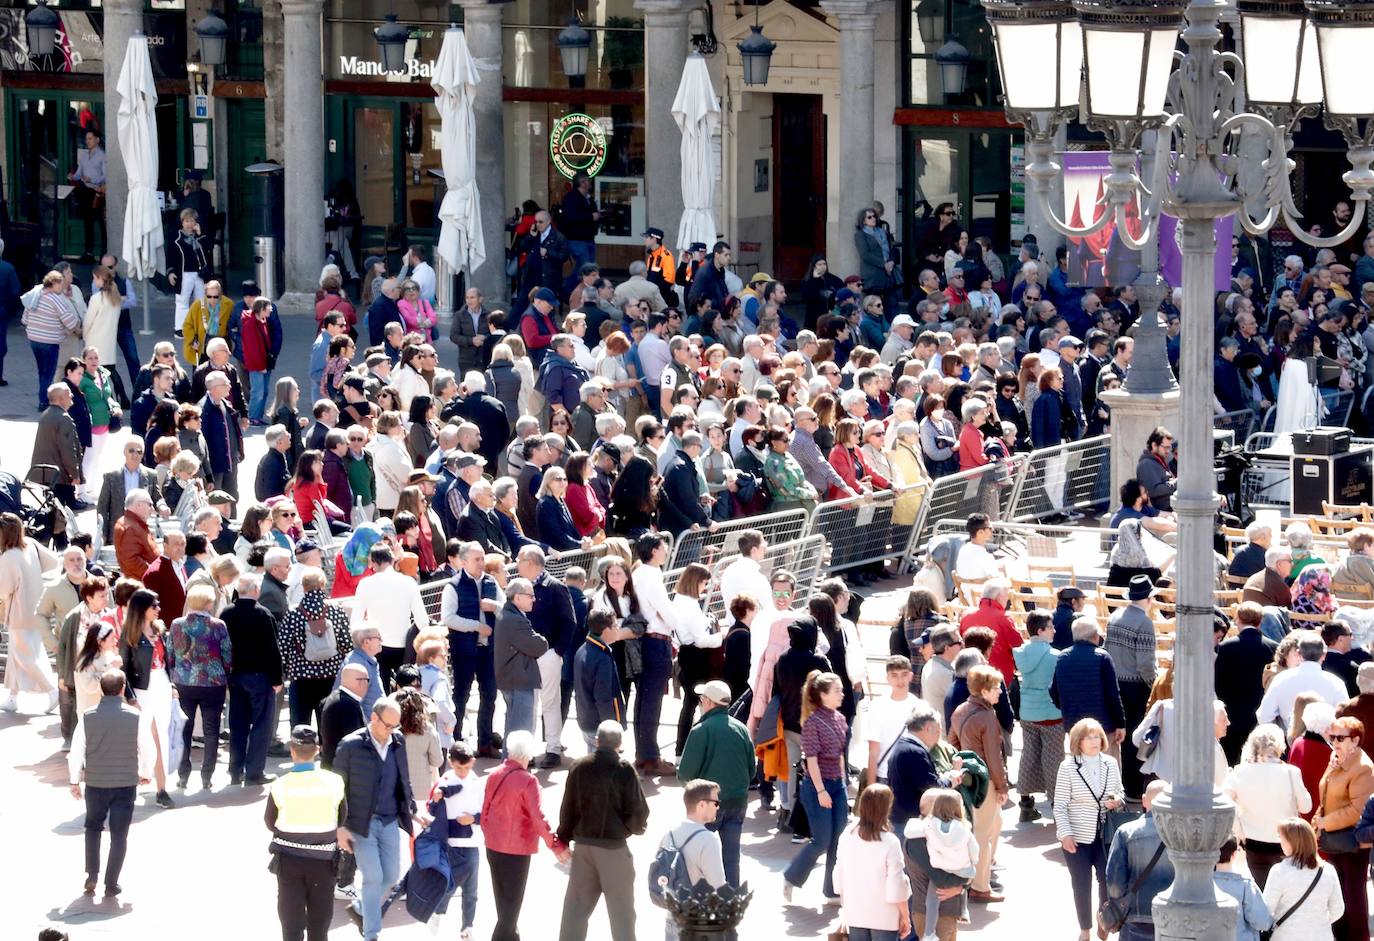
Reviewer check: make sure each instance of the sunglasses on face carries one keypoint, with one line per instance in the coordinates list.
(166, 356)
(1340, 738)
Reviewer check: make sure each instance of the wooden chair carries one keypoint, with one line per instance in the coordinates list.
(1236, 581)
(1360, 511)
(1352, 591)
(1309, 619)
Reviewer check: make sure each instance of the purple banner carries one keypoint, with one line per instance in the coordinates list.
(1102, 259)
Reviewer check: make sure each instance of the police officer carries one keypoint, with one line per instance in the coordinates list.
(306, 812)
(659, 261)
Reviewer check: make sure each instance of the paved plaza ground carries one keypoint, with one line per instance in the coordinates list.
(199, 870)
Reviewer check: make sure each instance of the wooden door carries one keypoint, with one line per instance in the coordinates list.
(799, 185)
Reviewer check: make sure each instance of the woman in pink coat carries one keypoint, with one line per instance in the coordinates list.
(416, 312)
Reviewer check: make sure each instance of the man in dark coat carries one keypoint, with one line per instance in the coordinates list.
(579, 219)
(10, 306)
(546, 250)
(910, 768)
(342, 710)
(1226, 378)
(471, 333)
(486, 412)
(273, 473)
(219, 423)
(1084, 684)
(383, 311)
(57, 443)
(560, 377)
(679, 505)
(480, 520)
(709, 281)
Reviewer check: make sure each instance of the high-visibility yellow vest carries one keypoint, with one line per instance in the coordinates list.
(308, 802)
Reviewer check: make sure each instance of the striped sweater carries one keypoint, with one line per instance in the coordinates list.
(51, 320)
(1081, 787)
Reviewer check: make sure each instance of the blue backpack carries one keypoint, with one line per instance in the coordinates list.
(668, 871)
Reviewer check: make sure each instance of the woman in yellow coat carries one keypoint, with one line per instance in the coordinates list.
(908, 471)
(212, 316)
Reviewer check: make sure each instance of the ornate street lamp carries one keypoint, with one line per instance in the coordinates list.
(41, 25)
(952, 59)
(1196, 111)
(391, 42)
(756, 51)
(930, 21)
(574, 48)
(1040, 55)
(213, 34)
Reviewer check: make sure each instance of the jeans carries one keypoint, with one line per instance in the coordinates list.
(509, 873)
(378, 855)
(652, 685)
(258, 385)
(306, 696)
(210, 701)
(1090, 858)
(464, 861)
(252, 708)
(583, 253)
(479, 667)
(826, 826)
(729, 823)
(5, 319)
(116, 803)
(45, 356)
(128, 348)
(519, 710)
(872, 934)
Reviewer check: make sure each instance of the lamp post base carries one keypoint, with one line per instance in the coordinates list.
(1193, 826)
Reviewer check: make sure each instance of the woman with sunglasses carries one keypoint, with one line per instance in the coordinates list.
(416, 311)
(1345, 788)
(877, 261)
(147, 667)
(164, 354)
(190, 437)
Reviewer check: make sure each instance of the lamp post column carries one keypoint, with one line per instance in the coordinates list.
(304, 132)
(1192, 816)
(665, 48)
(857, 20)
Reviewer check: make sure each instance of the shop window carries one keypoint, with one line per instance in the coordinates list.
(531, 57)
(928, 26)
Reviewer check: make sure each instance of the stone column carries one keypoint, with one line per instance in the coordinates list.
(123, 18)
(857, 19)
(304, 140)
(273, 69)
(482, 24)
(665, 51)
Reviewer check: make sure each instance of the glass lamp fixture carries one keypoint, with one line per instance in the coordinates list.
(953, 58)
(1345, 36)
(391, 42)
(574, 48)
(213, 35)
(1025, 33)
(1128, 50)
(40, 27)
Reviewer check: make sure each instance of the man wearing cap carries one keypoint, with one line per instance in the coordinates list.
(692, 258)
(431, 526)
(1072, 601)
(579, 219)
(1070, 348)
(719, 749)
(306, 813)
(1131, 645)
(751, 298)
(660, 268)
(454, 493)
(537, 327)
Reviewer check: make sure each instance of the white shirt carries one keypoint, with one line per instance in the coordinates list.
(467, 801)
(654, 602)
(423, 275)
(1306, 677)
(392, 466)
(744, 576)
(976, 563)
(885, 723)
(691, 626)
(386, 601)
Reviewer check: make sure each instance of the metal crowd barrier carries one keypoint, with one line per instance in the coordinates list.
(707, 545)
(1338, 405)
(1068, 478)
(1241, 422)
(870, 529)
(804, 558)
(957, 496)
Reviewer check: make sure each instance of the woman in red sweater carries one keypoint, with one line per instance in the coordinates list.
(307, 488)
(849, 462)
(588, 515)
(975, 415)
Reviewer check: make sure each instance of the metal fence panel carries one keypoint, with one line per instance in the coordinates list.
(1241, 422)
(957, 496)
(869, 530)
(803, 557)
(708, 545)
(1071, 477)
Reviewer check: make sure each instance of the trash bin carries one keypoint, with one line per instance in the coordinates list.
(265, 255)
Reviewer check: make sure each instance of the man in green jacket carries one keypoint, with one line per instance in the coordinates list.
(720, 749)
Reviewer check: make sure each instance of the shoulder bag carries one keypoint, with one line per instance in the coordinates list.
(1111, 917)
(1266, 935)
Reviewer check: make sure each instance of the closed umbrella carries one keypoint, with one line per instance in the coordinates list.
(460, 215)
(697, 114)
(138, 146)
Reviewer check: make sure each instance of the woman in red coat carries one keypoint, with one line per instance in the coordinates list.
(588, 515)
(307, 488)
(975, 415)
(255, 340)
(849, 462)
(513, 825)
(1310, 752)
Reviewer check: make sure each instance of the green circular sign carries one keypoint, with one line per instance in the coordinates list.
(577, 144)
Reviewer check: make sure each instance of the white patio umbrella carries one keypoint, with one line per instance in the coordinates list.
(460, 215)
(138, 146)
(697, 114)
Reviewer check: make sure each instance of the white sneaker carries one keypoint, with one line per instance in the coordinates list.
(787, 892)
(345, 893)
(465, 935)
(8, 703)
(52, 702)
(435, 924)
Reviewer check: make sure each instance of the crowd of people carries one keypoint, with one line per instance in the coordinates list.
(591, 415)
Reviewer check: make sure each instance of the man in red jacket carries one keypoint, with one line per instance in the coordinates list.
(992, 613)
(258, 358)
(167, 576)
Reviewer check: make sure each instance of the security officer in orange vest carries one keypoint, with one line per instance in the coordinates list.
(692, 259)
(306, 813)
(662, 269)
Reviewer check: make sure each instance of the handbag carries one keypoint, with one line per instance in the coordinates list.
(1266, 935)
(1335, 842)
(839, 934)
(1114, 912)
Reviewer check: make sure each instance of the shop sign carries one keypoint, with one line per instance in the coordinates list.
(356, 65)
(577, 144)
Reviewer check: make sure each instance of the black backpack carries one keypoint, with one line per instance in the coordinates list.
(668, 871)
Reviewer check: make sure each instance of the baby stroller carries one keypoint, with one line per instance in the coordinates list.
(32, 500)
